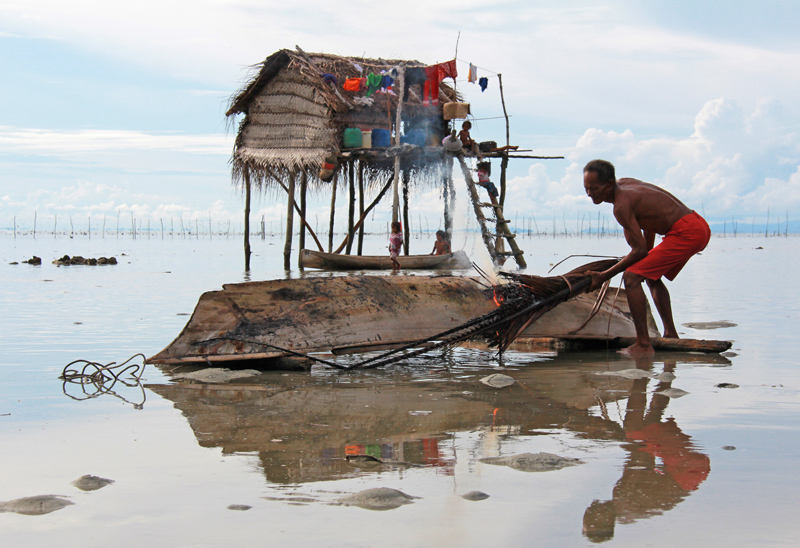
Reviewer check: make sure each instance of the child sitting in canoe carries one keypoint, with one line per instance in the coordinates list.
(441, 246)
(395, 244)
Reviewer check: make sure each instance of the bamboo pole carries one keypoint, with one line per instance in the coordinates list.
(246, 175)
(287, 247)
(504, 162)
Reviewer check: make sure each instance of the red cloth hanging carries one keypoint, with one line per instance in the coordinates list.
(437, 73)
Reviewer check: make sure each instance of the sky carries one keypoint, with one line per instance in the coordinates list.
(116, 109)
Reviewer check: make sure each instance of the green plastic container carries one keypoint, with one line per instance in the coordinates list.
(352, 138)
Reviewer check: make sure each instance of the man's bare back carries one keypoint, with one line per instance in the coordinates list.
(655, 209)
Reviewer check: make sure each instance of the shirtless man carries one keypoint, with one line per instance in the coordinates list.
(645, 210)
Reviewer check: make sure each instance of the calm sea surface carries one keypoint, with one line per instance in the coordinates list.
(714, 467)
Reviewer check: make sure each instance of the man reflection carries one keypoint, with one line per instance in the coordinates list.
(662, 467)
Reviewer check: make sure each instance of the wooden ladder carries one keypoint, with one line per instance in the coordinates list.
(502, 231)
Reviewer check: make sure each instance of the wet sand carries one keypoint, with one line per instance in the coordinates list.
(286, 449)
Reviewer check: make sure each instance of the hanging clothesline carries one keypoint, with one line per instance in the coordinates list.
(490, 118)
(476, 66)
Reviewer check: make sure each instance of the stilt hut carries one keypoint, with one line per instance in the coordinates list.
(322, 121)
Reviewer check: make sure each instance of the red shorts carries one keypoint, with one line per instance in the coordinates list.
(689, 235)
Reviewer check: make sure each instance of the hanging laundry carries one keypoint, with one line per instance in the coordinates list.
(472, 77)
(373, 83)
(354, 84)
(414, 76)
(437, 73)
(483, 83)
(329, 78)
(386, 83)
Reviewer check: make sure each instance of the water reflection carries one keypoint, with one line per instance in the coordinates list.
(663, 465)
(310, 428)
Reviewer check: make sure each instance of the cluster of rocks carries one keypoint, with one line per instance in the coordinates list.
(33, 260)
(78, 260)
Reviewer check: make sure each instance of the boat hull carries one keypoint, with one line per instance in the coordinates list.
(270, 319)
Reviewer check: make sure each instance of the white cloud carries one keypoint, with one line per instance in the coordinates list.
(58, 142)
(726, 166)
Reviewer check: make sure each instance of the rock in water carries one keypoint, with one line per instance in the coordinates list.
(498, 380)
(213, 375)
(627, 373)
(239, 507)
(379, 498)
(35, 506)
(673, 393)
(710, 325)
(533, 462)
(91, 483)
(475, 495)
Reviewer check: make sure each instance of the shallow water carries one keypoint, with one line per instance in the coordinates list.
(714, 467)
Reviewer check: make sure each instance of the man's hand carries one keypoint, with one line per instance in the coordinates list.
(597, 280)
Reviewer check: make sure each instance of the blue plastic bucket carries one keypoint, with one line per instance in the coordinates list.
(381, 138)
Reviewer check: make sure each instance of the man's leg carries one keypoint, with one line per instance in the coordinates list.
(637, 302)
(664, 306)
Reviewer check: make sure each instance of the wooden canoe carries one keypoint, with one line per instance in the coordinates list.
(336, 261)
(348, 314)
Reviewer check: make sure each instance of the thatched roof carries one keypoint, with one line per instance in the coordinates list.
(293, 118)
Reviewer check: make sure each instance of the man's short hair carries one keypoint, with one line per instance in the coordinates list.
(605, 170)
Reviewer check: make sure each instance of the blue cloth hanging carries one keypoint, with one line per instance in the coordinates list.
(483, 83)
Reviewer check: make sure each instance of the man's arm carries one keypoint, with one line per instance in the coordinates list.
(640, 241)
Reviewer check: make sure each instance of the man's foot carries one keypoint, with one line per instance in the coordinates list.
(638, 350)
(671, 335)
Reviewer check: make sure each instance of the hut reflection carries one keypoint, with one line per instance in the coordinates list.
(311, 428)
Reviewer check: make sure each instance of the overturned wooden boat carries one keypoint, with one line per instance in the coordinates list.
(337, 261)
(351, 314)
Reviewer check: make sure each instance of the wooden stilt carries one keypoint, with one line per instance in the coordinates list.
(450, 203)
(406, 229)
(351, 209)
(333, 212)
(448, 224)
(287, 247)
(361, 206)
(246, 176)
(302, 219)
(366, 212)
(303, 188)
(399, 82)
